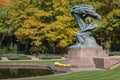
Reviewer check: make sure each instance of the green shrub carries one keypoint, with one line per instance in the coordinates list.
(13, 49)
(3, 50)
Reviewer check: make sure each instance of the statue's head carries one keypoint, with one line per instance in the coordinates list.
(85, 9)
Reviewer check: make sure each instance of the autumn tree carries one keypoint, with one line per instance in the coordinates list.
(109, 27)
(47, 26)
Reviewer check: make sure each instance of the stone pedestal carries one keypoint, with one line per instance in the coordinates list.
(83, 57)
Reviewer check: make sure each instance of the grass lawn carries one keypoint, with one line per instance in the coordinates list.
(32, 62)
(88, 75)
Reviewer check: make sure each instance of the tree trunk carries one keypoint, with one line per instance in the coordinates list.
(2, 39)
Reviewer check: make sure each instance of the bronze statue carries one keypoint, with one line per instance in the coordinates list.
(87, 19)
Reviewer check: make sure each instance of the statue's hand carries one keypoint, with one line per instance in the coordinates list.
(90, 21)
(95, 25)
(90, 26)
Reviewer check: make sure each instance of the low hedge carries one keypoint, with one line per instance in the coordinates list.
(6, 55)
(13, 57)
(16, 56)
(49, 56)
(0, 58)
(25, 58)
(114, 53)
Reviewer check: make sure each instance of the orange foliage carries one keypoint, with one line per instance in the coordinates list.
(3, 2)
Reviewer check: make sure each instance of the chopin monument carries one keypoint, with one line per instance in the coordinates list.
(86, 53)
(84, 15)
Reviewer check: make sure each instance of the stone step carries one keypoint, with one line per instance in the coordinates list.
(113, 66)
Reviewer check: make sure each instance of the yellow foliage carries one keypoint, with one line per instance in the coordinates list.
(63, 43)
(22, 33)
(1, 22)
(41, 13)
(60, 5)
(36, 43)
(14, 13)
